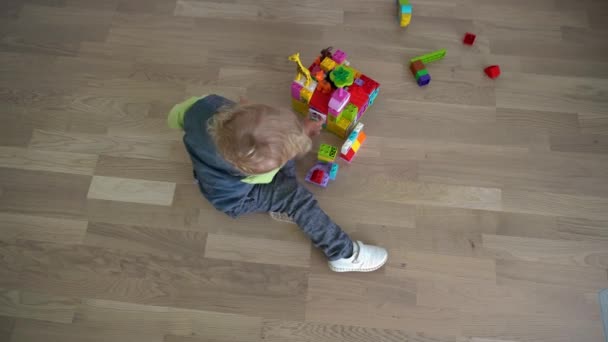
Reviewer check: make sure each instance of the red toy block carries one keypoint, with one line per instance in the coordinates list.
(317, 176)
(320, 101)
(358, 97)
(469, 38)
(493, 71)
(417, 66)
(369, 85)
(348, 156)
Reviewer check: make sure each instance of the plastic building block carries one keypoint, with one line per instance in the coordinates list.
(416, 66)
(404, 12)
(350, 112)
(320, 101)
(430, 57)
(342, 76)
(328, 64)
(342, 127)
(369, 85)
(420, 74)
(339, 56)
(327, 153)
(352, 137)
(493, 71)
(359, 82)
(424, 80)
(310, 87)
(333, 171)
(373, 95)
(315, 115)
(348, 156)
(356, 146)
(469, 38)
(296, 88)
(361, 137)
(338, 101)
(305, 95)
(319, 75)
(324, 87)
(318, 175)
(326, 53)
(301, 70)
(299, 106)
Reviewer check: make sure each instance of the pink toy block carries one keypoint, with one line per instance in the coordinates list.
(338, 101)
(339, 56)
(295, 90)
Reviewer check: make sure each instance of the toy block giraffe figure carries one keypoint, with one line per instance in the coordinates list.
(300, 68)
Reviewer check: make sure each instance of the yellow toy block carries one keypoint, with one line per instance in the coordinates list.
(405, 19)
(305, 95)
(328, 64)
(356, 146)
(341, 127)
(300, 107)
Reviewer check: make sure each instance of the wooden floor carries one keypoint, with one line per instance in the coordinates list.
(491, 196)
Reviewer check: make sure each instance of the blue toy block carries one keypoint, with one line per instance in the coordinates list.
(424, 80)
(406, 9)
(333, 171)
(373, 95)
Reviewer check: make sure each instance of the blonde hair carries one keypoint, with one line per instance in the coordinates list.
(257, 138)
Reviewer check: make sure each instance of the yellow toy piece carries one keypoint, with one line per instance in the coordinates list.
(300, 107)
(405, 19)
(356, 146)
(341, 128)
(328, 64)
(301, 70)
(305, 95)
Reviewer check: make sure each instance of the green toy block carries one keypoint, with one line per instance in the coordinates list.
(430, 57)
(421, 73)
(349, 112)
(404, 2)
(327, 153)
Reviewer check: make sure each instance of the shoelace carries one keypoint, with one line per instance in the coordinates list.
(356, 259)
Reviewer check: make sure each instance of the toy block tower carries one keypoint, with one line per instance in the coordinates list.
(337, 94)
(353, 143)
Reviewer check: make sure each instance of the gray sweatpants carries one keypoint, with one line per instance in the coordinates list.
(284, 194)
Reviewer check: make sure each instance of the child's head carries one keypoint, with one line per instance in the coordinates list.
(256, 138)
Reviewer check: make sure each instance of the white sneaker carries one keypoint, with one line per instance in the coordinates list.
(282, 217)
(364, 259)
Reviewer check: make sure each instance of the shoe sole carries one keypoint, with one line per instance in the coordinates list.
(341, 270)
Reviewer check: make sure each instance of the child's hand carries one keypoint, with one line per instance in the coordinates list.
(312, 128)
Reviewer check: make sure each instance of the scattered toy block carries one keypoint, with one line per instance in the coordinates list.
(333, 171)
(317, 175)
(469, 38)
(327, 153)
(404, 12)
(348, 156)
(493, 71)
(416, 66)
(420, 74)
(424, 80)
(430, 57)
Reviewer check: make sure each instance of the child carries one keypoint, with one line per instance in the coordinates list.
(243, 158)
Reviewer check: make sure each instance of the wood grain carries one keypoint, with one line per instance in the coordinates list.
(131, 190)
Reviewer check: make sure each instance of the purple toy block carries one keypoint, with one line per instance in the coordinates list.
(361, 111)
(359, 82)
(319, 166)
(424, 80)
(295, 90)
(339, 56)
(339, 99)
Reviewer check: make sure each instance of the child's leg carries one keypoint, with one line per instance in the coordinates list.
(286, 195)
